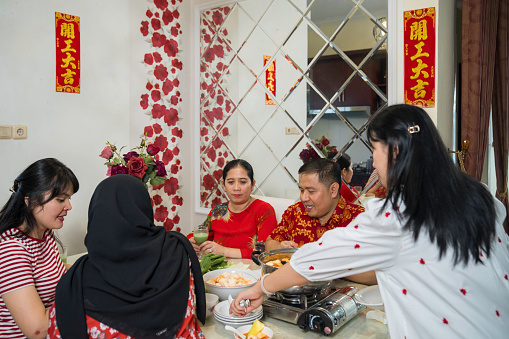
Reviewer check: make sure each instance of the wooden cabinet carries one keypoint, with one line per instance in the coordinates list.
(330, 73)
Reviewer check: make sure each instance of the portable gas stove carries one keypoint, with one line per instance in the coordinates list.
(325, 311)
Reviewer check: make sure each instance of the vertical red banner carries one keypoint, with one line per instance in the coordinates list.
(270, 79)
(419, 39)
(67, 34)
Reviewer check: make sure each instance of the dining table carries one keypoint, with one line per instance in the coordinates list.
(358, 327)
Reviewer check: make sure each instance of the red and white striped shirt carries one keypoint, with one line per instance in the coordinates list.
(26, 261)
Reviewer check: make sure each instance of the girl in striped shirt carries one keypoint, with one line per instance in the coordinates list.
(30, 265)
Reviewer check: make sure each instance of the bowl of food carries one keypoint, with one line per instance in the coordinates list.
(229, 281)
(255, 331)
(272, 260)
(211, 301)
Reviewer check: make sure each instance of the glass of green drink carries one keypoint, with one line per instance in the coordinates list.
(200, 234)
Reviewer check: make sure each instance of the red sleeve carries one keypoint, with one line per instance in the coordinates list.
(16, 270)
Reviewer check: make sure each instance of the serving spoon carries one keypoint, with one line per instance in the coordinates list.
(234, 330)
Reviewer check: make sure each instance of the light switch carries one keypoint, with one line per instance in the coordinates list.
(291, 131)
(5, 132)
(19, 131)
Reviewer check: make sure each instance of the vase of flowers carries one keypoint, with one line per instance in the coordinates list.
(323, 145)
(138, 162)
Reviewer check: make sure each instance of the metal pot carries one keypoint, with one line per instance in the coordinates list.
(262, 258)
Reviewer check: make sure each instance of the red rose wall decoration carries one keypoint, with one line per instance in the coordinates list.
(216, 106)
(161, 102)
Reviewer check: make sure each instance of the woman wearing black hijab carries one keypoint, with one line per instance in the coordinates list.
(136, 276)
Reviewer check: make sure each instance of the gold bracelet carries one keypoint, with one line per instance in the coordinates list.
(263, 287)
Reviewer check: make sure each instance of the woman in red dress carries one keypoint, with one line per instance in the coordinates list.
(137, 280)
(349, 193)
(237, 225)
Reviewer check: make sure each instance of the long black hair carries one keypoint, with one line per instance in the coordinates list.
(344, 161)
(457, 211)
(41, 177)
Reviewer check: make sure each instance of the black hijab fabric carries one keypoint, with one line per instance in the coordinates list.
(135, 277)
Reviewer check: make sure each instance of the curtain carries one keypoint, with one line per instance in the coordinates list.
(478, 48)
(500, 109)
(484, 87)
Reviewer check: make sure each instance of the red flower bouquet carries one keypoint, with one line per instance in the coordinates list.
(323, 145)
(138, 162)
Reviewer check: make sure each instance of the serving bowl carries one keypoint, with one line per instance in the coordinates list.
(211, 301)
(285, 253)
(244, 329)
(224, 292)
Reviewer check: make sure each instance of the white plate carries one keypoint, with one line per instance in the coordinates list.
(223, 310)
(237, 324)
(370, 296)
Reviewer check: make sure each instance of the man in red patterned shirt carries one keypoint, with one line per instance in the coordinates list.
(320, 209)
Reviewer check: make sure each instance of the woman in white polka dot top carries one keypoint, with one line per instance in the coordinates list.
(437, 242)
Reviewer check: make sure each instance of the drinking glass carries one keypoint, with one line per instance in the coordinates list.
(200, 234)
(62, 250)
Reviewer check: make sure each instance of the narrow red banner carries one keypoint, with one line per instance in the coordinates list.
(67, 34)
(419, 39)
(270, 79)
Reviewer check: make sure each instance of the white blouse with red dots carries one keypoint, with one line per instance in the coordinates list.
(424, 296)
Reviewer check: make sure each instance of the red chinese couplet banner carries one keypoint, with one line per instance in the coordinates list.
(270, 79)
(419, 38)
(67, 33)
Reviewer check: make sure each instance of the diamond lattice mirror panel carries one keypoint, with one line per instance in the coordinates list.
(278, 75)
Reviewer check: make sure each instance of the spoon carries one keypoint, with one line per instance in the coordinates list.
(234, 330)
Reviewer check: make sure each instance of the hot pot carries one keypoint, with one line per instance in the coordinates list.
(262, 258)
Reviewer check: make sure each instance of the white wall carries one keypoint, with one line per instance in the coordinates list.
(74, 127)
(70, 127)
(442, 113)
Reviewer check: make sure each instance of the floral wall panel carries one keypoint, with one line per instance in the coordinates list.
(162, 101)
(217, 105)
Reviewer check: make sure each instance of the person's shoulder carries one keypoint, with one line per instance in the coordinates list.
(12, 243)
(352, 208)
(298, 206)
(12, 236)
(221, 207)
(219, 210)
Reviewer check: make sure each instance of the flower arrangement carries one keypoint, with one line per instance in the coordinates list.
(138, 162)
(323, 145)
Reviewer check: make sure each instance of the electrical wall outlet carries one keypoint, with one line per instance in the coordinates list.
(19, 131)
(5, 132)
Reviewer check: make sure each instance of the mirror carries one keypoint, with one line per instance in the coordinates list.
(278, 75)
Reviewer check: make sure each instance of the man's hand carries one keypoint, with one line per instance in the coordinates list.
(288, 244)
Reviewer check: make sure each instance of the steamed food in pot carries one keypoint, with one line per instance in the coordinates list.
(278, 262)
(229, 280)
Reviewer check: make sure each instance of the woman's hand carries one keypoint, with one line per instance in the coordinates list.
(288, 244)
(214, 248)
(255, 296)
(284, 277)
(195, 245)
